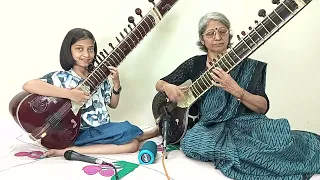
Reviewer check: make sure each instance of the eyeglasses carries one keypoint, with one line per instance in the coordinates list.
(212, 34)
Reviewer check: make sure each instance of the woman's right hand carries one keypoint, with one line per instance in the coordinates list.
(78, 96)
(174, 93)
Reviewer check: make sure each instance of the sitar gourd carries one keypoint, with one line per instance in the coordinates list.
(55, 122)
(184, 114)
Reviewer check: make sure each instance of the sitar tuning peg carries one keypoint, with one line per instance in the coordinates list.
(215, 59)
(250, 28)
(262, 13)
(121, 35)
(101, 53)
(125, 30)
(131, 20)
(138, 12)
(105, 51)
(152, 2)
(118, 39)
(256, 22)
(243, 33)
(110, 44)
(95, 61)
(99, 58)
(129, 26)
(277, 2)
(238, 37)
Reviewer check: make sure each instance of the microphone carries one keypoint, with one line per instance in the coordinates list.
(147, 152)
(74, 156)
(165, 128)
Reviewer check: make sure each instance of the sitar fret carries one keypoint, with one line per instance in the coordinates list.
(230, 60)
(104, 68)
(115, 58)
(224, 58)
(194, 91)
(101, 76)
(88, 82)
(234, 56)
(111, 60)
(139, 34)
(221, 65)
(120, 53)
(199, 84)
(198, 91)
(94, 79)
(203, 82)
(208, 82)
(197, 88)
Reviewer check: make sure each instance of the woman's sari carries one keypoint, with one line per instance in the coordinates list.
(250, 145)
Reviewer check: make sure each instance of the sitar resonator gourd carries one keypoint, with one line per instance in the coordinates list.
(55, 122)
(182, 115)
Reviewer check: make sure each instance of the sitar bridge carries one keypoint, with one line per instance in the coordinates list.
(187, 100)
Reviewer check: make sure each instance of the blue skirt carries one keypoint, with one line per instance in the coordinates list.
(117, 133)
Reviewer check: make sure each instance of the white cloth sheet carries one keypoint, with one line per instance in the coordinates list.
(14, 140)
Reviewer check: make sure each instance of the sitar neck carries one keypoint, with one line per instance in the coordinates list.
(134, 35)
(264, 30)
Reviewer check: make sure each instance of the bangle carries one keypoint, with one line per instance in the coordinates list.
(241, 96)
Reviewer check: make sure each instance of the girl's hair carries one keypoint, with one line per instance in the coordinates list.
(66, 60)
(203, 23)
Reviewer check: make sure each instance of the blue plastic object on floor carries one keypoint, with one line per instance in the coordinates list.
(147, 153)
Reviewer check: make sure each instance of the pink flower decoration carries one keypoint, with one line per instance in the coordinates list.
(104, 170)
(32, 154)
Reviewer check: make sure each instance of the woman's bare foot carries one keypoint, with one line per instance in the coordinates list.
(154, 132)
(54, 152)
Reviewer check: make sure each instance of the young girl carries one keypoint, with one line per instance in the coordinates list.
(97, 134)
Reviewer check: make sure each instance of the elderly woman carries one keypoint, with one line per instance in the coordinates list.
(233, 131)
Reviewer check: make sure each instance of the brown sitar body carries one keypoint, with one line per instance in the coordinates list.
(46, 118)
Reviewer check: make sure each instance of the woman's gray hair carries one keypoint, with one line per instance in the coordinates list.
(203, 22)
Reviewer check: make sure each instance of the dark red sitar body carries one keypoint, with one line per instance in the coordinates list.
(55, 122)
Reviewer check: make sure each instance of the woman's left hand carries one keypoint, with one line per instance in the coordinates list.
(225, 81)
(114, 74)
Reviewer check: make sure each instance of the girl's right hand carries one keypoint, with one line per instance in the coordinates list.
(174, 93)
(78, 96)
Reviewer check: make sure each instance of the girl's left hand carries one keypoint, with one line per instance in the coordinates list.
(225, 81)
(114, 74)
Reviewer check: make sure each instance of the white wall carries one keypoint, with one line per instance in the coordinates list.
(32, 32)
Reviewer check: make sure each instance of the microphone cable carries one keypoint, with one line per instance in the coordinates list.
(165, 117)
(114, 168)
(163, 164)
